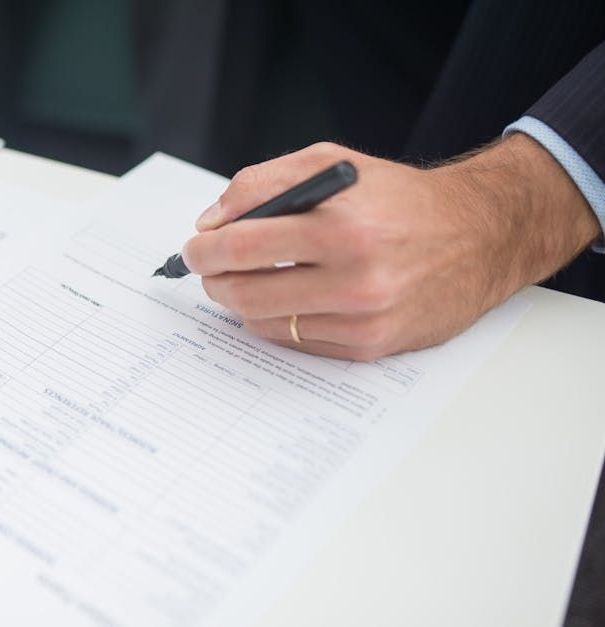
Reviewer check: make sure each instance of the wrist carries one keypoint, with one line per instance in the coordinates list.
(539, 219)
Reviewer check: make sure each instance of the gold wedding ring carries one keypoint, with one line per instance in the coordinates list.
(294, 328)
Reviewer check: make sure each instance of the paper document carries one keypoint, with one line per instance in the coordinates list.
(158, 465)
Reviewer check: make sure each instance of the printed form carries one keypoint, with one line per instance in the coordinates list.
(158, 465)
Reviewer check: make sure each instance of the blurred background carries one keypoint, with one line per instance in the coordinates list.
(105, 83)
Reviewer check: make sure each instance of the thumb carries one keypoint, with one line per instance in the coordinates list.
(250, 187)
(258, 183)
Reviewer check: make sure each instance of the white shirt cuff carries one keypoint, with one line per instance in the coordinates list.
(586, 179)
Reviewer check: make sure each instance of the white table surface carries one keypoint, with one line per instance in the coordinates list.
(483, 523)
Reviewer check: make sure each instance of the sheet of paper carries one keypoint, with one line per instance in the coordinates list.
(23, 217)
(31, 221)
(158, 465)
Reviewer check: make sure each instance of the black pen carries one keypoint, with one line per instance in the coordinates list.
(299, 199)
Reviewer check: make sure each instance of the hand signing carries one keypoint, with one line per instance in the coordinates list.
(404, 259)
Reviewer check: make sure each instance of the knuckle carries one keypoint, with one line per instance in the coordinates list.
(360, 237)
(379, 289)
(237, 248)
(363, 240)
(325, 148)
(320, 236)
(375, 333)
(247, 178)
(371, 291)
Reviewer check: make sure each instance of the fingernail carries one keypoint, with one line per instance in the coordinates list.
(210, 218)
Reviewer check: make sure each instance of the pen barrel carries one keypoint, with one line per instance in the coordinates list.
(308, 194)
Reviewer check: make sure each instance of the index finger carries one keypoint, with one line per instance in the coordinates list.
(255, 244)
(259, 183)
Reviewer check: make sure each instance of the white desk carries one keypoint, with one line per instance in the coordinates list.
(482, 525)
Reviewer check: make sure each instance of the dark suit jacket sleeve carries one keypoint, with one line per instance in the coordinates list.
(575, 109)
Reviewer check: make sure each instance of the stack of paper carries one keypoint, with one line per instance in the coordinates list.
(158, 465)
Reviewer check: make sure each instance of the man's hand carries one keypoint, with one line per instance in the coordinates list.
(404, 259)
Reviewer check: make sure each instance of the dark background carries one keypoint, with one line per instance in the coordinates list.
(104, 83)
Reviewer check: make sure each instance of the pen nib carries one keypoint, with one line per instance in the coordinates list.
(159, 272)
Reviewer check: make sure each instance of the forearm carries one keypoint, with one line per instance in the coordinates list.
(542, 220)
